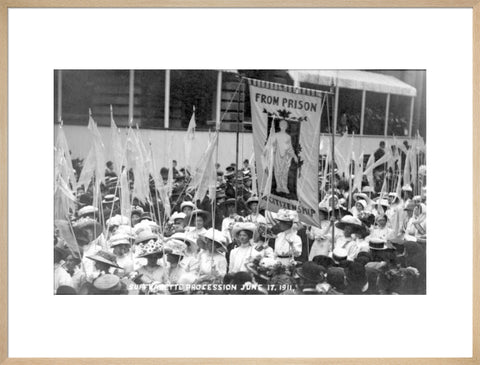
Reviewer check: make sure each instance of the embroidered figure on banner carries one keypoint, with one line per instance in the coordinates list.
(287, 161)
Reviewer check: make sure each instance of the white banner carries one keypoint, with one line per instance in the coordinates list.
(286, 138)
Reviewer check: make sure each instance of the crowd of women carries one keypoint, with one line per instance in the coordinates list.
(367, 242)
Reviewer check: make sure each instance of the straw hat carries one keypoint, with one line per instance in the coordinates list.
(107, 282)
(339, 254)
(349, 220)
(105, 257)
(175, 247)
(87, 210)
(110, 199)
(379, 245)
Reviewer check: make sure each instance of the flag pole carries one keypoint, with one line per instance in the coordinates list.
(332, 175)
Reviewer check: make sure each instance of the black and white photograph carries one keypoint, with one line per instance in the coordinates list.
(240, 182)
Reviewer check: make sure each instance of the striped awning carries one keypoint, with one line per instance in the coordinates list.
(354, 79)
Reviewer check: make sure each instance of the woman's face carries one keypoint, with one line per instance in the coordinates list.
(70, 263)
(152, 259)
(283, 125)
(173, 259)
(187, 210)
(120, 250)
(101, 266)
(243, 237)
(417, 211)
(359, 207)
(382, 222)
(199, 222)
(253, 207)
(348, 230)
(135, 219)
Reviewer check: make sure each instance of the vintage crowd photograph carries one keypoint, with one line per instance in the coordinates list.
(240, 182)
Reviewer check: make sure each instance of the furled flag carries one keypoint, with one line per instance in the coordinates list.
(368, 172)
(135, 161)
(63, 159)
(357, 182)
(268, 157)
(251, 164)
(94, 164)
(117, 150)
(189, 140)
(208, 180)
(99, 149)
(125, 203)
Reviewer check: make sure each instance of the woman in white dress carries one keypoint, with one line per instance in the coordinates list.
(198, 220)
(381, 231)
(212, 259)
(243, 254)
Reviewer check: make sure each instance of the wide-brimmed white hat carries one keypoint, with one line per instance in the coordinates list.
(252, 199)
(182, 237)
(118, 220)
(177, 215)
(187, 204)
(120, 239)
(215, 235)
(247, 226)
(285, 215)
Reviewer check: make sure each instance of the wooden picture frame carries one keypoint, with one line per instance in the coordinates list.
(5, 5)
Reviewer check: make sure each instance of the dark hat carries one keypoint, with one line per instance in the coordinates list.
(336, 277)
(356, 274)
(199, 212)
(65, 290)
(146, 215)
(324, 261)
(399, 244)
(312, 272)
(230, 201)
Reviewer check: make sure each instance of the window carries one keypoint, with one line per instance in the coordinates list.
(95, 89)
(190, 88)
(149, 97)
(349, 111)
(399, 115)
(374, 119)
